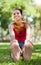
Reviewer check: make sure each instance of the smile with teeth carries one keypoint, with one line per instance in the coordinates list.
(16, 16)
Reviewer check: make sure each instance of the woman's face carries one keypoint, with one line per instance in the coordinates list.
(17, 15)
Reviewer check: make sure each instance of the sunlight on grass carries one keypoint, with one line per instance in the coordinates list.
(4, 43)
(37, 54)
(5, 58)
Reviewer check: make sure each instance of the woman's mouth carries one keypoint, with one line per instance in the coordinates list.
(17, 17)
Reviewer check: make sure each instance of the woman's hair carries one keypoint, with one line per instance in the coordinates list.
(19, 10)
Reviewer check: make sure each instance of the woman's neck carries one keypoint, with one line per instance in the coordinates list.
(18, 21)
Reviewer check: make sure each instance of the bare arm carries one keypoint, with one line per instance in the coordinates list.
(12, 34)
(28, 34)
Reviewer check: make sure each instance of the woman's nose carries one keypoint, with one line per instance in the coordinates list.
(16, 14)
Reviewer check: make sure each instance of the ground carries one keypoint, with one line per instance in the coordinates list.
(5, 58)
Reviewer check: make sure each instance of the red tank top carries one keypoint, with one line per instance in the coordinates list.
(20, 36)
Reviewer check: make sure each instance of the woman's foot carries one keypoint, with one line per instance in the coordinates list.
(27, 51)
(16, 52)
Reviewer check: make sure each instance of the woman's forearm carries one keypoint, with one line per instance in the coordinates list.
(11, 33)
(28, 35)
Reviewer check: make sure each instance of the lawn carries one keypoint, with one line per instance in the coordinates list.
(5, 58)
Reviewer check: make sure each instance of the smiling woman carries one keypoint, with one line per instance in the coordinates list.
(20, 37)
(17, 13)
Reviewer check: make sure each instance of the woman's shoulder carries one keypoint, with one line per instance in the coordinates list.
(26, 24)
(11, 25)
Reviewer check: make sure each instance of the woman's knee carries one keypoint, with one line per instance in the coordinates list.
(12, 46)
(29, 44)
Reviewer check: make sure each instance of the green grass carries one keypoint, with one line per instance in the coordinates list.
(5, 58)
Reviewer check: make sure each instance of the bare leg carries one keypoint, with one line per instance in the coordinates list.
(15, 50)
(27, 50)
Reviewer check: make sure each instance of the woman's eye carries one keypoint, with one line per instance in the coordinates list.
(14, 13)
(17, 13)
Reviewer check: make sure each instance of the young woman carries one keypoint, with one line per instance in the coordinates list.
(20, 37)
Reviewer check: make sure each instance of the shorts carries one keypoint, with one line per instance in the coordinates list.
(21, 44)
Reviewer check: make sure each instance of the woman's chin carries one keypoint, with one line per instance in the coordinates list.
(17, 19)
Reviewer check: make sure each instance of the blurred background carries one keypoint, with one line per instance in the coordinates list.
(31, 12)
